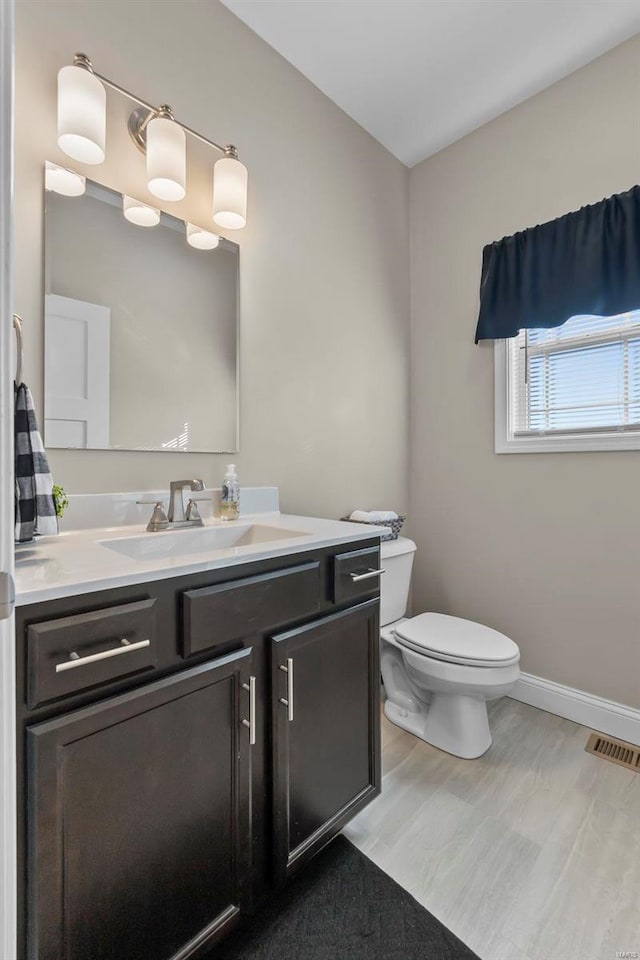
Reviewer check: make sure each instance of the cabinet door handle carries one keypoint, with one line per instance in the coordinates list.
(356, 577)
(251, 722)
(288, 703)
(77, 661)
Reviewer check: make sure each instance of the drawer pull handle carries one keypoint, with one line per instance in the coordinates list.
(251, 722)
(369, 575)
(288, 703)
(77, 661)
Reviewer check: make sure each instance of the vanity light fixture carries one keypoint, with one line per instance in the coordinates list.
(155, 131)
(230, 191)
(166, 156)
(201, 239)
(64, 181)
(82, 112)
(140, 213)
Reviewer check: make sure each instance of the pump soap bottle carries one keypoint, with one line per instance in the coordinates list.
(230, 499)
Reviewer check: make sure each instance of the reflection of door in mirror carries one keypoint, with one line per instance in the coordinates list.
(77, 337)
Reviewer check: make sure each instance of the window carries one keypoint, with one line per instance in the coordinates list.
(574, 387)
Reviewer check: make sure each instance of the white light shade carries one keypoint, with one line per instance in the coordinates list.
(201, 239)
(230, 193)
(166, 159)
(82, 115)
(140, 213)
(60, 180)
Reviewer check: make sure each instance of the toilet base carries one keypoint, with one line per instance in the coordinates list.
(454, 723)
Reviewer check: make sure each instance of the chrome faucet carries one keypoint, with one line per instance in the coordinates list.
(175, 516)
(176, 512)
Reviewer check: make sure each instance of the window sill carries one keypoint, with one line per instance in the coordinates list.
(595, 443)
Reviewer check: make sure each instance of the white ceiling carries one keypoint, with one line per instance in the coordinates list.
(420, 74)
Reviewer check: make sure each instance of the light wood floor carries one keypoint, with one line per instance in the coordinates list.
(531, 852)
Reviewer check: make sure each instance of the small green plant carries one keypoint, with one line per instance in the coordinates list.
(60, 499)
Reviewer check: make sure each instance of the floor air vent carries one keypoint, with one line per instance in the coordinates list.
(615, 750)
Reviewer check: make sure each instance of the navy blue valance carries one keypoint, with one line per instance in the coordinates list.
(587, 262)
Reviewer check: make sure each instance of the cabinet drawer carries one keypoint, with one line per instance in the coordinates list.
(356, 574)
(72, 654)
(228, 612)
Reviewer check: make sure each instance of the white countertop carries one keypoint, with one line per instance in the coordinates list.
(77, 562)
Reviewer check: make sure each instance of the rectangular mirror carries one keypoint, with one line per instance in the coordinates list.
(141, 332)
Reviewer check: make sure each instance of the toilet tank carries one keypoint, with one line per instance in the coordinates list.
(396, 558)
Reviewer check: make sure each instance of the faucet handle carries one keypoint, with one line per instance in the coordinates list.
(193, 514)
(159, 519)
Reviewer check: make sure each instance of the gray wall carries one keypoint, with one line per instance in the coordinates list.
(545, 547)
(324, 258)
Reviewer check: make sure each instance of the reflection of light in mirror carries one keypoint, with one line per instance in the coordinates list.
(140, 213)
(64, 181)
(201, 239)
(181, 442)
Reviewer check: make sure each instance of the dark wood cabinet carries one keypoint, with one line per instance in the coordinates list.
(165, 790)
(325, 682)
(138, 820)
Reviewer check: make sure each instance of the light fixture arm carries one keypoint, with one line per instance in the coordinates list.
(146, 111)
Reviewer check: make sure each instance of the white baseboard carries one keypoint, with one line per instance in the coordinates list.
(604, 716)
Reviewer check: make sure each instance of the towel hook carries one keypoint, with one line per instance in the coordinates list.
(17, 326)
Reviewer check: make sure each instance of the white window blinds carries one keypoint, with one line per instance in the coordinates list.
(582, 377)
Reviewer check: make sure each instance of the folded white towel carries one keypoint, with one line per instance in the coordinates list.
(383, 516)
(374, 516)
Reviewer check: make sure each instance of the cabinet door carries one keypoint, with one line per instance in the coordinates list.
(138, 819)
(325, 682)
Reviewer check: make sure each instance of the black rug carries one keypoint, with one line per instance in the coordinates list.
(342, 907)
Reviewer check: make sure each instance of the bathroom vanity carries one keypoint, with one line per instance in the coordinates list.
(192, 728)
(197, 703)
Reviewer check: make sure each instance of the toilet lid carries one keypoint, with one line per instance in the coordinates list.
(456, 640)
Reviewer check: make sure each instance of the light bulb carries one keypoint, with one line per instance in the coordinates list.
(201, 239)
(166, 159)
(140, 213)
(82, 114)
(230, 191)
(64, 181)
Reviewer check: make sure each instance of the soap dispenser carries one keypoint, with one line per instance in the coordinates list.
(230, 499)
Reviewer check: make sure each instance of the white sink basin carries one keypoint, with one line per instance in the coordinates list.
(182, 543)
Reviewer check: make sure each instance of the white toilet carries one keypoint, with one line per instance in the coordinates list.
(439, 671)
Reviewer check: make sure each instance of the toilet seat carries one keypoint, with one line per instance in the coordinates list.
(455, 640)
